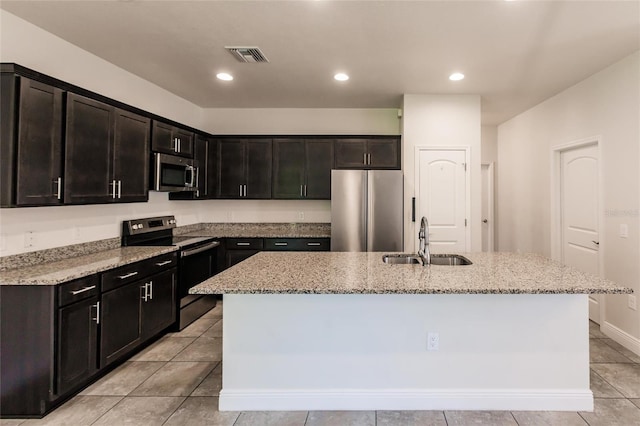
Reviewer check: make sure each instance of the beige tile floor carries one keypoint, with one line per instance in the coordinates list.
(176, 381)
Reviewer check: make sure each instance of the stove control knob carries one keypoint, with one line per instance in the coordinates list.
(134, 226)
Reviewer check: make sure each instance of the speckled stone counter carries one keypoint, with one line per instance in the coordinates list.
(365, 273)
(260, 230)
(52, 273)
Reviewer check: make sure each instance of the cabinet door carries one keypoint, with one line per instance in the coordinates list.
(237, 256)
(131, 156)
(77, 344)
(39, 151)
(259, 153)
(159, 308)
(288, 168)
(120, 321)
(185, 142)
(211, 173)
(232, 167)
(163, 139)
(384, 153)
(351, 153)
(319, 162)
(89, 151)
(200, 151)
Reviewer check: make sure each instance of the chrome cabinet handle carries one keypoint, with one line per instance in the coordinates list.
(245, 190)
(301, 191)
(145, 297)
(179, 145)
(313, 244)
(82, 290)
(305, 190)
(364, 159)
(113, 189)
(59, 188)
(166, 262)
(97, 318)
(240, 190)
(281, 244)
(369, 159)
(150, 290)
(243, 244)
(119, 189)
(130, 274)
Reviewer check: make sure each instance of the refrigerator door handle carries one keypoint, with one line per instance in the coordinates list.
(369, 195)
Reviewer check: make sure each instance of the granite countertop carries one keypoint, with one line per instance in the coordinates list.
(52, 273)
(364, 273)
(263, 230)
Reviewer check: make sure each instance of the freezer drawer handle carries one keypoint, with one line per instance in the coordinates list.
(83, 290)
(129, 275)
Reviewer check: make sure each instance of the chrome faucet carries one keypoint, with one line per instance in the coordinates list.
(423, 236)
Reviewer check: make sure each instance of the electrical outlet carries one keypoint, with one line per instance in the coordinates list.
(624, 230)
(29, 239)
(300, 215)
(433, 341)
(631, 302)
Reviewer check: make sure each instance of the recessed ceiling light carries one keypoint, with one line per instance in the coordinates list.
(341, 76)
(224, 76)
(456, 76)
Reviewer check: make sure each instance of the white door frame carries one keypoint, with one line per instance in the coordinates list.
(467, 182)
(556, 202)
(491, 205)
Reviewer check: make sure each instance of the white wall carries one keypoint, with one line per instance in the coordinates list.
(606, 104)
(489, 144)
(441, 120)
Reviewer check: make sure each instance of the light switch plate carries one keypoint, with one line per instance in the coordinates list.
(624, 230)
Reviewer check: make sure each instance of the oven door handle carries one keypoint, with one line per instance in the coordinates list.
(187, 253)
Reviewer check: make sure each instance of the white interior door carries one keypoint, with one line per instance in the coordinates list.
(441, 197)
(487, 208)
(579, 214)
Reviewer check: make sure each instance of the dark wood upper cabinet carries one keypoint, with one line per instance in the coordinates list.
(32, 135)
(131, 156)
(106, 155)
(245, 168)
(367, 153)
(89, 151)
(172, 140)
(302, 168)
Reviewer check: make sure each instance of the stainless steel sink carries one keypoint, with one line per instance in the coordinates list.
(402, 259)
(449, 259)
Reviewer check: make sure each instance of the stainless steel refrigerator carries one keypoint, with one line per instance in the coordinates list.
(367, 210)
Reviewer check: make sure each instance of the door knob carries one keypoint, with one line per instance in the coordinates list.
(596, 242)
(485, 221)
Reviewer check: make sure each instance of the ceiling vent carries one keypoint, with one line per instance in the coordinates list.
(247, 54)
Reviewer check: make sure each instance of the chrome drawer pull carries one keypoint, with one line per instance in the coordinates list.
(281, 244)
(313, 244)
(166, 262)
(130, 274)
(243, 244)
(97, 318)
(83, 290)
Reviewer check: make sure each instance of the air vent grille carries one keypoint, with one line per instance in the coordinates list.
(247, 54)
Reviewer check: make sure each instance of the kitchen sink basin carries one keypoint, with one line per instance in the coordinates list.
(449, 259)
(402, 259)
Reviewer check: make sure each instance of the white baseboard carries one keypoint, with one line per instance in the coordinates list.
(620, 336)
(398, 399)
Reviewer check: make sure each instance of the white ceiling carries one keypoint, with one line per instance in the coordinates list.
(514, 54)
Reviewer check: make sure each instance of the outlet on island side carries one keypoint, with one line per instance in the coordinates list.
(433, 341)
(631, 302)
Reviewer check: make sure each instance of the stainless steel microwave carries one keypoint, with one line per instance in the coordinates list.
(173, 173)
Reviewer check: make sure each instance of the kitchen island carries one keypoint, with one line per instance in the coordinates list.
(344, 331)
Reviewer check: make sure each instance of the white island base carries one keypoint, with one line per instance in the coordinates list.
(369, 352)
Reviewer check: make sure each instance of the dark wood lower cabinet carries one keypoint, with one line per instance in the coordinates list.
(58, 338)
(120, 328)
(77, 344)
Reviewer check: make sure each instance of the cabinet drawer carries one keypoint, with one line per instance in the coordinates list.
(76, 290)
(136, 271)
(244, 243)
(296, 244)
